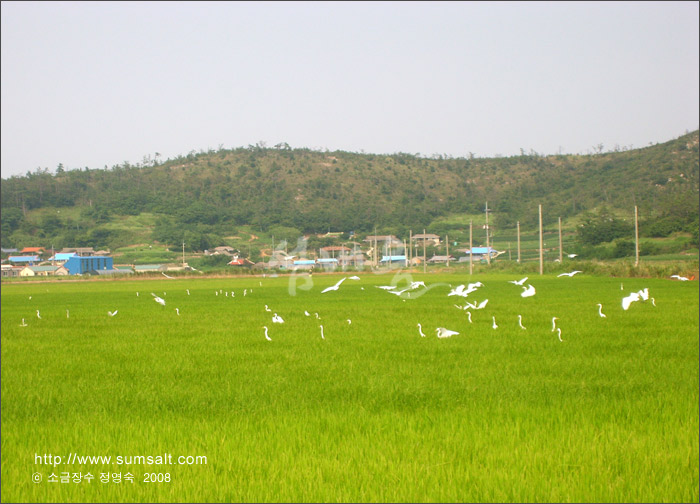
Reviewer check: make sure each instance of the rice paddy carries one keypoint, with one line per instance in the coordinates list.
(372, 412)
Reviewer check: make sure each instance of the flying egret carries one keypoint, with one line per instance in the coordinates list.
(520, 322)
(528, 291)
(681, 278)
(482, 304)
(166, 276)
(444, 333)
(354, 277)
(469, 316)
(644, 293)
(112, 314)
(559, 334)
(600, 311)
(322, 336)
(23, 324)
(177, 310)
(158, 299)
(571, 256)
(38, 315)
(386, 287)
(518, 282)
(277, 319)
(267, 337)
(420, 330)
(494, 322)
(628, 300)
(570, 274)
(554, 323)
(458, 291)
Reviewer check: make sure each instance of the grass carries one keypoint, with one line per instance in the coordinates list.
(374, 412)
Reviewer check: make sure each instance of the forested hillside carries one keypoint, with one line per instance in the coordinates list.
(208, 195)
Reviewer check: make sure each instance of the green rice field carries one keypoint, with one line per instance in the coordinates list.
(196, 405)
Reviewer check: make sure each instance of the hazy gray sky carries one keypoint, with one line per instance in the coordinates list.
(95, 84)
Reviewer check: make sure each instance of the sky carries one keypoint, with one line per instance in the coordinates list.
(95, 84)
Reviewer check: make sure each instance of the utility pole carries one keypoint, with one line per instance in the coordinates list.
(183, 254)
(560, 251)
(541, 251)
(447, 242)
(636, 237)
(405, 254)
(471, 248)
(488, 249)
(424, 265)
(518, 242)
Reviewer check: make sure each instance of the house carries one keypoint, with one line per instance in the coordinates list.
(440, 259)
(9, 250)
(331, 250)
(429, 239)
(389, 240)
(327, 262)
(78, 265)
(351, 260)
(115, 271)
(32, 250)
(393, 259)
(479, 253)
(24, 259)
(303, 264)
(240, 261)
(59, 257)
(9, 271)
(43, 271)
(81, 251)
(222, 250)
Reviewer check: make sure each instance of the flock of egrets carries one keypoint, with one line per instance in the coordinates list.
(462, 290)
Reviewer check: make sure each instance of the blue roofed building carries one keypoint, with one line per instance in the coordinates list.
(77, 265)
(24, 259)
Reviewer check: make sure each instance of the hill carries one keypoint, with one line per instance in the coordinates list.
(204, 197)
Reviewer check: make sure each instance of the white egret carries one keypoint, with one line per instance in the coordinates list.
(23, 324)
(644, 293)
(245, 292)
(469, 316)
(277, 319)
(158, 299)
(570, 274)
(67, 314)
(494, 322)
(420, 330)
(307, 313)
(188, 292)
(319, 318)
(354, 277)
(386, 287)
(166, 276)
(226, 293)
(216, 292)
(520, 322)
(554, 323)
(621, 287)
(600, 311)
(518, 282)
(653, 302)
(30, 298)
(571, 256)
(482, 304)
(322, 336)
(681, 278)
(177, 310)
(267, 309)
(38, 315)
(349, 321)
(444, 333)
(112, 314)
(559, 334)
(267, 337)
(628, 300)
(458, 291)
(137, 294)
(528, 291)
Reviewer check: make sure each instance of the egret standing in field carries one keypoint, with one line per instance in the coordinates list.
(67, 314)
(469, 316)
(600, 311)
(559, 334)
(554, 323)
(188, 292)
(277, 319)
(177, 310)
(38, 315)
(494, 322)
(420, 330)
(267, 337)
(520, 322)
(267, 309)
(23, 324)
(322, 336)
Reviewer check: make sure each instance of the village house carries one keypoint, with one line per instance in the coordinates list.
(429, 239)
(30, 271)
